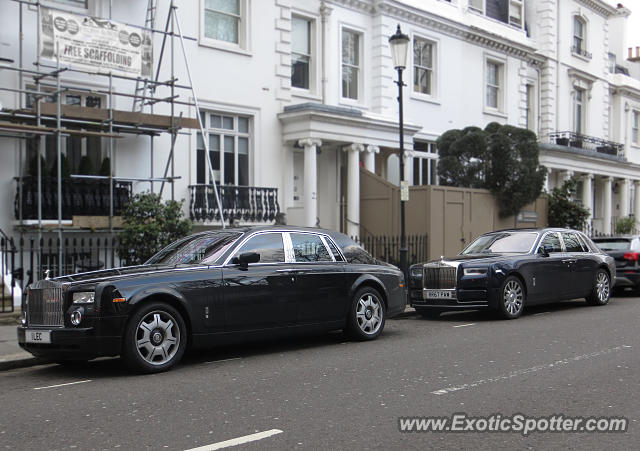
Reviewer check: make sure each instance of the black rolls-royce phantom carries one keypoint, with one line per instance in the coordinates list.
(211, 288)
(509, 269)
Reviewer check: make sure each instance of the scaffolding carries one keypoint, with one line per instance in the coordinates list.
(60, 120)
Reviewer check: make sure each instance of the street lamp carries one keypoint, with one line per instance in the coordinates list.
(399, 43)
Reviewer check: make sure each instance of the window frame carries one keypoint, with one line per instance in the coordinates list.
(501, 85)
(635, 127)
(434, 43)
(360, 68)
(430, 157)
(311, 55)
(244, 30)
(480, 7)
(579, 126)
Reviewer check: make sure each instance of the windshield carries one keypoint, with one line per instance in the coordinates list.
(195, 249)
(619, 244)
(502, 243)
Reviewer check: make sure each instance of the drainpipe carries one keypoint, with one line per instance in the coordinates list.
(325, 12)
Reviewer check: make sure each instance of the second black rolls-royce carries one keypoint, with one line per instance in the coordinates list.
(210, 288)
(510, 269)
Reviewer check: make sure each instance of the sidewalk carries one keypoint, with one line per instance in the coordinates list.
(12, 356)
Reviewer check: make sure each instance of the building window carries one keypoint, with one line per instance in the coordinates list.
(350, 64)
(578, 110)
(579, 33)
(82, 155)
(494, 85)
(507, 11)
(635, 126)
(224, 21)
(531, 108)
(300, 52)
(423, 57)
(76, 3)
(425, 163)
(228, 137)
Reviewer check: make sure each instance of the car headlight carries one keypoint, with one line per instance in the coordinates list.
(84, 297)
(475, 271)
(416, 271)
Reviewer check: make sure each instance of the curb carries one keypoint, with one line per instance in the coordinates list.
(408, 311)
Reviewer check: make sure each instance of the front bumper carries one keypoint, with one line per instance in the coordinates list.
(71, 343)
(627, 278)
(465, 299)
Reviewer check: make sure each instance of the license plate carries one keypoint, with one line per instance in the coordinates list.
(38, 336)
(439, 294)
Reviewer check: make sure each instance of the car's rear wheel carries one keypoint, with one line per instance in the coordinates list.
(601, 290)
(512, 298)
(367, 314)
(155, 338)
(429, 313)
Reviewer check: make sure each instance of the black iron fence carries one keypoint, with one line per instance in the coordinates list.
(248, 204)
(580, 141)
(7, 279)
(387, 248)
(79, 197)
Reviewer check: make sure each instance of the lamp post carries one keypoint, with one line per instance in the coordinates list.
(399, 44)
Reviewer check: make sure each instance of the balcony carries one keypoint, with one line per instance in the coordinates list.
(79, 197)
(243, 204)
(590, 143)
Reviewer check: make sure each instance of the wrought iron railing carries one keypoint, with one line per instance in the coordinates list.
(79, 197)
(580, 141)
(247, 204)
(580, 51)
(387, 248)
(7, 279)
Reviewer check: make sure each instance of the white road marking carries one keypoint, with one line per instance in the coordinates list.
(223, 360)
(465, 325)
(238, 441)
(533, 369)
(62, 385)
(541, 313)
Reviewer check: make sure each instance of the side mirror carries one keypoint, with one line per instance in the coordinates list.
(546, 249)
(245, 258)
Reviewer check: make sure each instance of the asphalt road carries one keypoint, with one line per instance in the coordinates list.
(323, 392)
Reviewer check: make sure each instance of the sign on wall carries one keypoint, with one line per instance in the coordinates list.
(95, 44)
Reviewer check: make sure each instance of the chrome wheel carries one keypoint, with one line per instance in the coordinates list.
(369, 313)
(602, 287)
(513, 297)
(157, 337)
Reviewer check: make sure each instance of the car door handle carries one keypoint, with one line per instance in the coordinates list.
(569, 260)
(289, 270)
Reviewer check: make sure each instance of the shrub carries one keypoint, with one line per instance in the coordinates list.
(626, 225)
(564, 210)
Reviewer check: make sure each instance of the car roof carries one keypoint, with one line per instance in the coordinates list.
(535, 229)
(273, 228)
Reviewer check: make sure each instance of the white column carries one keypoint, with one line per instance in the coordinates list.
(587, 193)
(353, 189)
(606, 205)
(370, 158)
(624, 198)
(547, 181)
(566, 175)
(310, 181)
(636, 200)
(408, 166)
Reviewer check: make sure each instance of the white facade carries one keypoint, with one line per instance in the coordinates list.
(277, 94)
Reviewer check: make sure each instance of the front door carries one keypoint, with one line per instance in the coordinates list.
(552, 273)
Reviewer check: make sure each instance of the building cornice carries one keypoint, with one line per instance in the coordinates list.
(484, 38)
(599, 7)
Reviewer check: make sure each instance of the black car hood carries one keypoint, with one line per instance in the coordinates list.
(107, 274)
(480, 258)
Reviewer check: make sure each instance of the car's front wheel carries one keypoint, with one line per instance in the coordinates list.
(367, 314)
(155, 338)
(601, 290)
(512, 298)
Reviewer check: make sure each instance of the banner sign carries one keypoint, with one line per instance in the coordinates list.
(96, 44)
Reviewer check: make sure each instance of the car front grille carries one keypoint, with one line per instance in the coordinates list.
(439, 277)
(45, 304)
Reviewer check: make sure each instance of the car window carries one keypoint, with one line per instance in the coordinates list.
(503, 242)
(334, 249)
(269, 245)
(308, 247)
(614, 244)
(552, 239)
(572, 243)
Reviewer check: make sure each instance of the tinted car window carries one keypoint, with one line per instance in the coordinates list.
(309, 248)
(352, 251)
(334, 250)
(553, 240)
(195, 249)
(572, 242)
(268, 245)
(614, 244)
(507, 242)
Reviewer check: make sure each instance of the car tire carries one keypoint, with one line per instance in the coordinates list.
(367, 314)
(601, 290)
(428, 313)
(155, 338)
(512, 298)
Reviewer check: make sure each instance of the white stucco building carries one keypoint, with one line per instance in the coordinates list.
(297, 95)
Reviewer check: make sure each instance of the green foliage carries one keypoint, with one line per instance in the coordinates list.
(150, 225)
(626, 225)
(564, 211)
(64, 166)
(33, 166)
(500, 158)
(105, 167)
(86, 166)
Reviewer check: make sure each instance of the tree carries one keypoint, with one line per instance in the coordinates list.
(150, 225)
(500, 158)
(564, 211)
